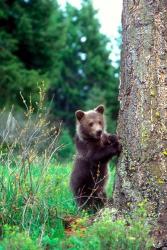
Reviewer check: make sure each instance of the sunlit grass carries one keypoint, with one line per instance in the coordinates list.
(41, 213)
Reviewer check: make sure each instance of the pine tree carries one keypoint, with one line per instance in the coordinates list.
(29, 40)
(86, 67)
(39, 41)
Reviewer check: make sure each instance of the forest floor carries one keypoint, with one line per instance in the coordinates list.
(37, 211)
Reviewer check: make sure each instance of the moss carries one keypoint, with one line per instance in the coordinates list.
(165, 152)
(152, 92)
(157, 115)
(160, 181)
(144, 135)
(132, 168)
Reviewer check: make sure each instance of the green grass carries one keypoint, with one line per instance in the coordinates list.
(130, 233)
(111, 180)
(35, 209)
(37, 206)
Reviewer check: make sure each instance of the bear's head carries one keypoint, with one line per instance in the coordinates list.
(90, 124)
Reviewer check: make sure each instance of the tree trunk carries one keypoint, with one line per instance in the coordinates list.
(142, 125)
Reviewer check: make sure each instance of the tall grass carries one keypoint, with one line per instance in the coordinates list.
(34, 191)
(38, 208)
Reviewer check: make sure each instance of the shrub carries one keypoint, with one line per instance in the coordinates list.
(14, 240)
(107, 232)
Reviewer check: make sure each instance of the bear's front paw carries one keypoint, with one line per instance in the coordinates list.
(106, 139)
(113, 138)
(115, 145)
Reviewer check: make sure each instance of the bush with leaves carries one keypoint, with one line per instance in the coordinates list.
(131, 232)
(13, 239)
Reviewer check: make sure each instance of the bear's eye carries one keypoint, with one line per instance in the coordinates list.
(90, 124)
(100, 122)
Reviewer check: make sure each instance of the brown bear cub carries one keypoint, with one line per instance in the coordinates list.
(95, 148)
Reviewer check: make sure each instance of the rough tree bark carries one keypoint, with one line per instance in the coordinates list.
(142, 125)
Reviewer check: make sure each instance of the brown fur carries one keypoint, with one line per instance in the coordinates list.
(95, 148)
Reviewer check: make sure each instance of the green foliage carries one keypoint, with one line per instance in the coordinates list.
(40, 210)
(35, 194)
(111, 180)
(14, 240)
(65, 48)
(107, 232)
(48, 209)
(43, 200)
(28, 36)
(122, 233)
(14, 76)
(67, 150)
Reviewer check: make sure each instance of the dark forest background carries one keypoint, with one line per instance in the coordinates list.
(62, 48)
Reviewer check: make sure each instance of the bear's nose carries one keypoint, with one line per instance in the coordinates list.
(99, 132)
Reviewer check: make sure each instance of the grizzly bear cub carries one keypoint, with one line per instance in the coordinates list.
(95, 148)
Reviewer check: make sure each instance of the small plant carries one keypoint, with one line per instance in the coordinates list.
(107, 232)
(14, 240)
(111, 180)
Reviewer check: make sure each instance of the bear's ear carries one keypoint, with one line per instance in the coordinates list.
(79, 114)
(100, 109)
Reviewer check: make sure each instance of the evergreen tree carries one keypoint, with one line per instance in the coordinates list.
(12, 71)
(30, 33)
(39, 41)
(86, 67)
(40, 33)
